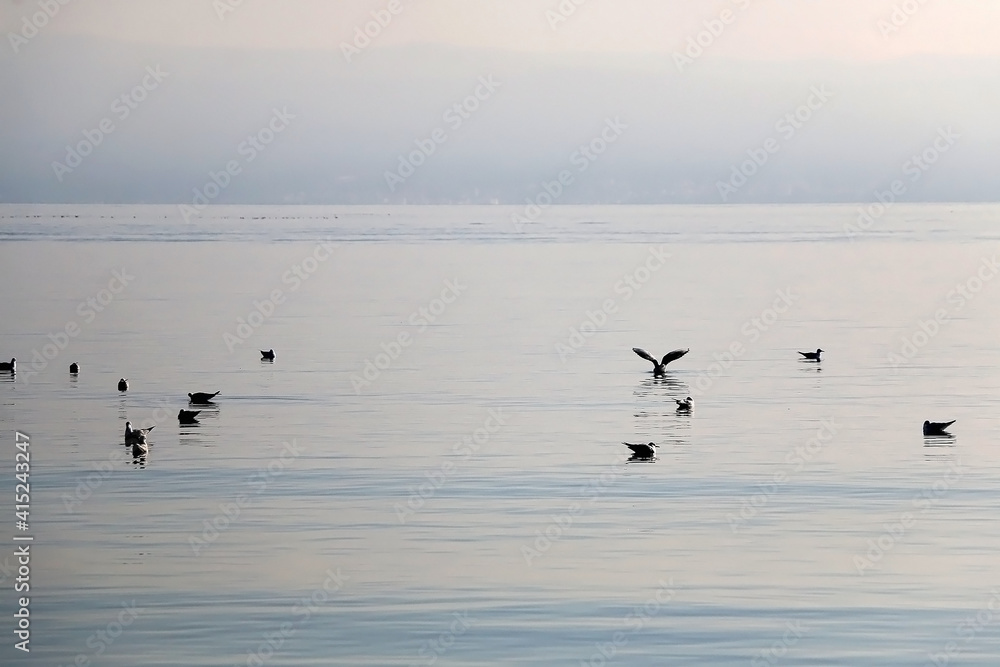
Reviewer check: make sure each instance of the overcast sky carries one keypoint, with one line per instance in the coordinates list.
(498, 100)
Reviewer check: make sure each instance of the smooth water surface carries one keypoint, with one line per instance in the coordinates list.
(431, 471)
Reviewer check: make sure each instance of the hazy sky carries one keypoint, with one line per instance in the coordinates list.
(268, 102)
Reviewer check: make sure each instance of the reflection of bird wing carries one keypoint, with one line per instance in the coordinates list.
(645, 355)
(673, 356)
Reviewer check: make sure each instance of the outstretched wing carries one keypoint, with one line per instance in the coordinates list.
(645, 355)
(673, 356)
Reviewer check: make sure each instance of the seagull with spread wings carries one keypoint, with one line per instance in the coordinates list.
(658, 366)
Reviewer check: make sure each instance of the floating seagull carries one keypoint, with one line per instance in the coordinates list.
(812, 356)
(937, 428)
(12, 366)
(683, 406)
(642, 451)
(74, 368)
(139, 448)
(133, 435)
(658, 365)
(202, 398)
(188, 416)
(268, 356)
(123, 385)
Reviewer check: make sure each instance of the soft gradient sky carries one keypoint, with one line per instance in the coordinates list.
(686, 127)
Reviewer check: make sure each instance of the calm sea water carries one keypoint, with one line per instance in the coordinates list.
(431, 471)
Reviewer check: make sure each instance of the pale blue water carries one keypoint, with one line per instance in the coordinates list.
(471, 505)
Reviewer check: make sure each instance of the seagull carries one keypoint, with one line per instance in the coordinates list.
(188, 416)
(134, 435)
(202, 398)
(658, 365)
(12, 366)
(267, 356)
(812, 356)
(74, 368)
(683, 406)
(937, 428)
(123, 385)
(642, 451)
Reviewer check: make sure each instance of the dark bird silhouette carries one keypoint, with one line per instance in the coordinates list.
(658, 366)
(133, 435)
(74, 368)
(812, 356)
(267, 356)
(139, 448)
(937, 428)
(683, 406)
(123, 385)
(188, 416)
(202, 398)
(11, 367)
(642, 451)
